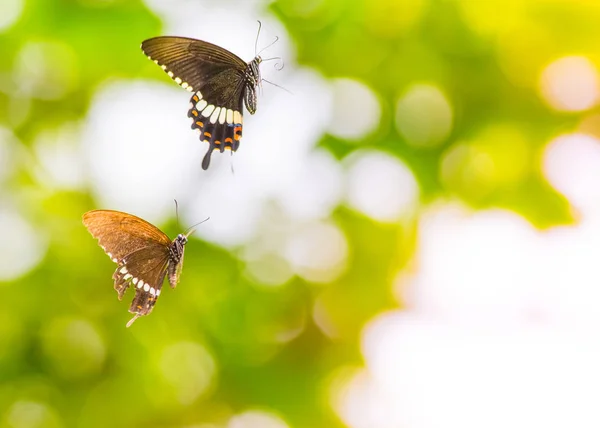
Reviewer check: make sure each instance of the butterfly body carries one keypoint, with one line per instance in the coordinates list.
(176, 259)
(143, 253)
(220, 82)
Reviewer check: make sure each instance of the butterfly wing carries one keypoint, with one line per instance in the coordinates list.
(146, 270)
(193, 62)
(120, 234)
(218, 79)
(140, 249)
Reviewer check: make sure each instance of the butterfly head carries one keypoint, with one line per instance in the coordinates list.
(182, 238)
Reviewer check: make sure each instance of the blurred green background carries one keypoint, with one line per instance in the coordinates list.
(460, 100)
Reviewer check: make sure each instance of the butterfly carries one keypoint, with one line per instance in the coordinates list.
(219, 81)
(143, 253)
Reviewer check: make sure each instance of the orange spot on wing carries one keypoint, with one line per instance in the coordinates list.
(200, 124)
(195, 113)
(228, 140)
(237, 132)
(207, 134)
(218, 143)
(195, 98)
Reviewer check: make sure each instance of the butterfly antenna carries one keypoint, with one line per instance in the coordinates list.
(268, 46)
(256, 41)
(192, 230)
(278, 65)
(280, 87)
(177, 213)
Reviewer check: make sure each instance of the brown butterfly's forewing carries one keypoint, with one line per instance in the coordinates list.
(120, 234)
(143, 253)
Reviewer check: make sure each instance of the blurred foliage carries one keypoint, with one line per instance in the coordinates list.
(225, 344)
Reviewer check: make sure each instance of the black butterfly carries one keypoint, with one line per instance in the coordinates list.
(144, 255)
(219, 80)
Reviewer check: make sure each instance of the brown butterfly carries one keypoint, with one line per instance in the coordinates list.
(144, 254)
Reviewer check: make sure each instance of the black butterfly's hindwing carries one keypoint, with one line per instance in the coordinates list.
(143, 253)
(221, 83)
(221, 127)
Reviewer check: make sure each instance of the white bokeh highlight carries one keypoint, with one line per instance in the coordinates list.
(500, 326)
(500, 329)
(22, 246)
(139, 150)
(317, 251)
(10, 153)
(361, 403)
(501, 319)
(45, 70)
(424, 116)
(380, 186)
(73, 347)
(316, 189)
(256, 419)
(570, 84)
(424, 374)
(188, 368)
(356, 110)
(10, 12)
(59, 155)
(465, 278)
(28, 414)
(270, 269)
(580, 183)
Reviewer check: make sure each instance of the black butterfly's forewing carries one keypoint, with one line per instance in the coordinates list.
(219, 81)
(191, 61)
(140, 249)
